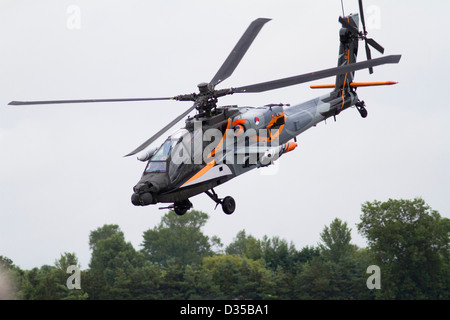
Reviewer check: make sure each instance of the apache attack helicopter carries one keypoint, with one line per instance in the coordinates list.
(220, 143)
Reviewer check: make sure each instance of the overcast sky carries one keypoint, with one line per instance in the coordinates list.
(62, 170)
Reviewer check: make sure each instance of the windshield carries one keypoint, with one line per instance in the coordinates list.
(158, 162)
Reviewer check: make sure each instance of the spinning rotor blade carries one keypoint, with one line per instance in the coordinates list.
(361, 13)
(355, 31)
(22, 103)
(363, 21)
(238, 51)
(162, 131)
(363, 35)
(369, 56)
(369, 41)
(285, 82)
(375, 45)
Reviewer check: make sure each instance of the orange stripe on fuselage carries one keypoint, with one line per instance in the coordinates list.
(345, 79)
(205, 169)
(239, 121)
(240, 129)
(271, 137)
(212, 153)
(346, 52)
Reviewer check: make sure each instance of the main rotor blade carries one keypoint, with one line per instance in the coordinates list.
(285, 82)
(22, 103)
(239, 51)
(162, 131)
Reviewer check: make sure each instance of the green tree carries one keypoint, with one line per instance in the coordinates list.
(50, 282)
(410, 242)
(43, 283)
(283, 284)
(10, 279)
(6, 263)
(245, 246)
(199, 283)
(62, 264)
(103, 233)
(239, 278)
(336, 241)
(67, 259)
(338, 272)
(178, 239)
(278, 253)
(173, 283)
(113, 264)
(307, 254)
(313, 281)
(146, 282)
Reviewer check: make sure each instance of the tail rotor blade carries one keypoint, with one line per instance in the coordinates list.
(361, 12)
(369, 56)
(375, 45)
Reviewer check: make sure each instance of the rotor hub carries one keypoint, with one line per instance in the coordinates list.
(204, 88)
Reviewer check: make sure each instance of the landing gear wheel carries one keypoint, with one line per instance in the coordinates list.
(180, 210)
(182, 207)
(228, 205)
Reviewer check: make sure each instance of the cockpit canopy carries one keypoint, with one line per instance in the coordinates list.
(176, 146)
(158, 162)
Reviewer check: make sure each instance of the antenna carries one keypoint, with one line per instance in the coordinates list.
(342, 5)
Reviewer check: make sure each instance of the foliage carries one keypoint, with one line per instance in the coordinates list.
(238, 277)
(178, 238)
(113, 261)
(245, 246)
(406, 238)
(9, 279)
(49, 282)
(410, 242)
(336, 241)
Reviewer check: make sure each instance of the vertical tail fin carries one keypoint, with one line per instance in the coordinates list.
(348, 51)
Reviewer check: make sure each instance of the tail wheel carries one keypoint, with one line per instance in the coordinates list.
(360, 105)
(228, 205)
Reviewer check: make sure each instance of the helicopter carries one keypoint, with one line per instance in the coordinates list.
(219, 143)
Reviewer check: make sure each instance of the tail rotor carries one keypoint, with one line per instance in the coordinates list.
(368, 42)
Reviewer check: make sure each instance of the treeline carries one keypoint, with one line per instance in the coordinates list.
(407, 241)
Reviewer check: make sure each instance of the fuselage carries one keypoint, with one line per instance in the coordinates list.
(210, 151)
